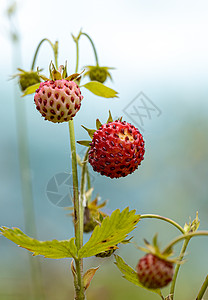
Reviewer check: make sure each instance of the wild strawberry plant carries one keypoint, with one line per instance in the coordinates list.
(115, 149)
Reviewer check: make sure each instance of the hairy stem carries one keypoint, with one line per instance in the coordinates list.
(203, 289)
(55, 51)
(78, 217)
(152, 216)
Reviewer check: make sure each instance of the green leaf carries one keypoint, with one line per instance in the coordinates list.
(31, 89)
(84, 143)
(113, 230)
(100, 89)
(50, 249)
(110, 118)
(89, 131)
(88, 276)
(98, 124)
(131, 275)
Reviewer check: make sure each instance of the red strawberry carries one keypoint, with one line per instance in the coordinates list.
(154, 272)
(59, 100)
(117, 149)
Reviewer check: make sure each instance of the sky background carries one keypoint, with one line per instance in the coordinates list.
(156, 47)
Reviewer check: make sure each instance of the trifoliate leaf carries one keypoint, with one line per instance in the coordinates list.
(100, 89)
(98, 124)
(84, 143)
(89, 131)
(88, 276)
(50, 249)
(113, 230)
(131, 275)
(31, 89)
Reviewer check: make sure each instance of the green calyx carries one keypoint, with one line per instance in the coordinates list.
(27, 78)
(92, 131)
(61, 73)
(155, 250)
(93, 216)
(97, 73)
(192, 226)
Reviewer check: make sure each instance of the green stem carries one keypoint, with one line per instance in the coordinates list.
(77, 54)
(83, 176)
(88, 183)
(78, 216)
(55, 51)
(152, 216)
(203, 289)
(185, 236)
(184, 247)
(93, 46)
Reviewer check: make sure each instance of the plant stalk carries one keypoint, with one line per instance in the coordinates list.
(163, 219)
(78, 217)
(55, 51)
(203, 289)
(187, 238)
(93, 46)
(183, 249)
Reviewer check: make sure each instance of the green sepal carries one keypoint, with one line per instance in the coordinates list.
(44, 78)
(155, 250)
(110, 118)
(113, 230)
(98, 124)
(55, 74)
(192, 226)
(74, 76)
(100, 89)
(84, 143)
(31, 89)
(64, 73)
(49, 249)
(127, 241)
(131, 275)
(89, 131)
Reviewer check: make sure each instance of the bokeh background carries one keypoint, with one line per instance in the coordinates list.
(159, 48)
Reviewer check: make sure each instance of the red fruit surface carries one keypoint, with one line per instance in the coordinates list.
(58, 101)
(117, 149)
(154, 272)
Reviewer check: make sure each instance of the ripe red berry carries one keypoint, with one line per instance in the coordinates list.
(117, 149)
(59, 100)
(154, 272)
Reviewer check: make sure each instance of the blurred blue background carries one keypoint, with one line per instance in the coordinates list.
(159, 48)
